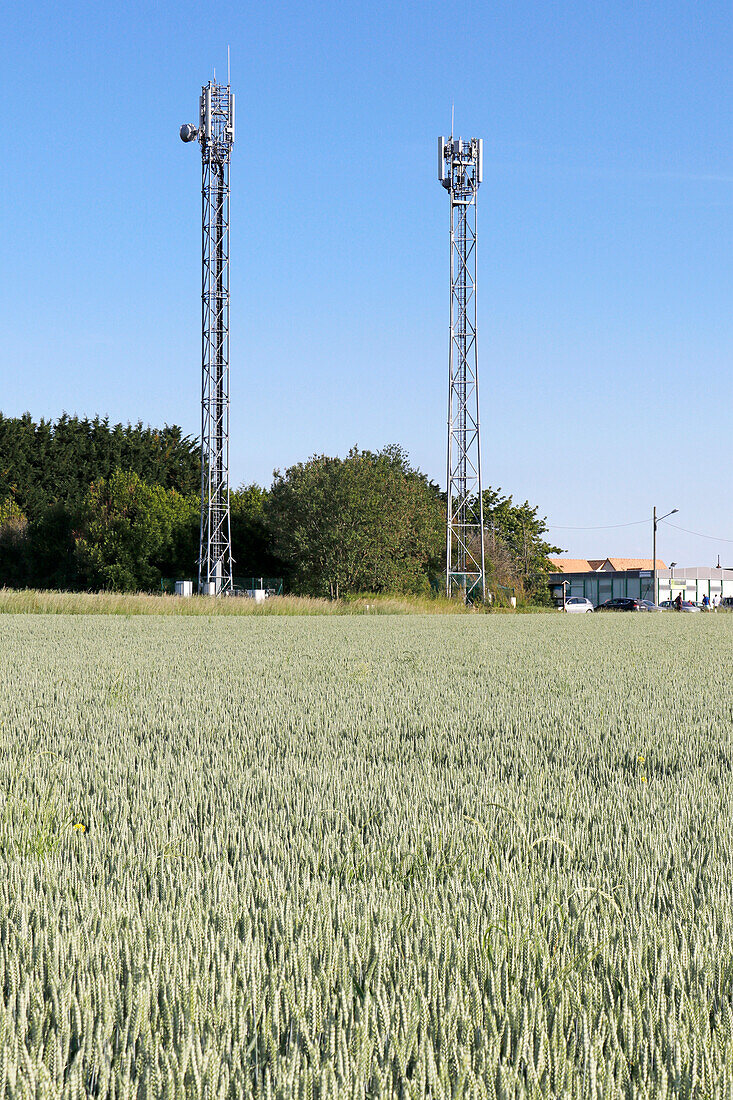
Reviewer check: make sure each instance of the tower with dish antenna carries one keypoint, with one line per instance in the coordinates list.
(215, 135)
(460, 169)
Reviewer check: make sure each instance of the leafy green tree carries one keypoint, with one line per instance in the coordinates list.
(13, 522)
(129, 531)
(516, 552)
(52, 561)
(364, 523)
(13, 543)
(251, 539)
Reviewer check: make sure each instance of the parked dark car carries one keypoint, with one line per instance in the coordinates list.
(620, 603)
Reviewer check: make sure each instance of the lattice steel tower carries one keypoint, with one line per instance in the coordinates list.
(460, 168)
(215, 134)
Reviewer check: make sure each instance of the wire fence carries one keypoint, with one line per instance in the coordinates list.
(241, 586)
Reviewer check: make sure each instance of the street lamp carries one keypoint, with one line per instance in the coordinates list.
(655, 520)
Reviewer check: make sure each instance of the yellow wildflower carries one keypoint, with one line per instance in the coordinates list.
(643, 779)
(79, 825)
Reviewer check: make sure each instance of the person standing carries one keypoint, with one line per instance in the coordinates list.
(678, 602)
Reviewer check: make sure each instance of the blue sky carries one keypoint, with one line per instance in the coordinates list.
(605, 248)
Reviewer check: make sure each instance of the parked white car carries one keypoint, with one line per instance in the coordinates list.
(577, 604)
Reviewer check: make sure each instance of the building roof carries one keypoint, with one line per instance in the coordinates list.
(602, 565)
(571, 565)
(620, 564)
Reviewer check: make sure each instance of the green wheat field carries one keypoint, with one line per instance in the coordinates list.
(354, 856)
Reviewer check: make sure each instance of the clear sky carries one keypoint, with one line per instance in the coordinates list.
(605, 247)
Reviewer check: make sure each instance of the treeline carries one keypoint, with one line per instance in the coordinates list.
(85, 504)
(89, 505)
(58, 460)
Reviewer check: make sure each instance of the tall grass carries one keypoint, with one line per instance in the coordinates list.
(34, 602)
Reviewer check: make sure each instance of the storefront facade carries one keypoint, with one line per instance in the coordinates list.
(692, 583)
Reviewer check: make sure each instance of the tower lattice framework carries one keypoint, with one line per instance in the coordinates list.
(215, 134)
(460, 164)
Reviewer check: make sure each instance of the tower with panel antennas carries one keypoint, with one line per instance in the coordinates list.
(460, 169)
(215, 135)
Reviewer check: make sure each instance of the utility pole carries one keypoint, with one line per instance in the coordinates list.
(655, 597)
(655, 521)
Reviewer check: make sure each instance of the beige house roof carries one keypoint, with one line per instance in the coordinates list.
(571, 565)
(635, 563)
